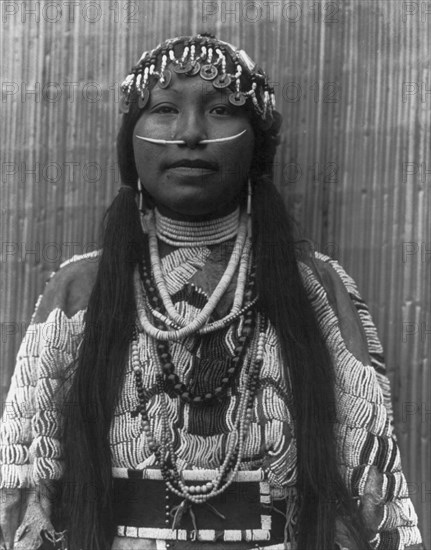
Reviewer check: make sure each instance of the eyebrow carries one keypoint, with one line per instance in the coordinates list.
(205, 92)
(164, 90)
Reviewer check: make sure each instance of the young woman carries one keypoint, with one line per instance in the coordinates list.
(203, 381)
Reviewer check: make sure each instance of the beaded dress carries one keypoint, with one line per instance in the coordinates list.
(368, 455)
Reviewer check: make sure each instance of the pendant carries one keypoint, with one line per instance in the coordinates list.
(183, 68)
(208, 72)
(143, 98)
(196, 67)
(124, 105)
(237, 99)
(178, 512)
(221, 82)
(167, 76)
(194, 532)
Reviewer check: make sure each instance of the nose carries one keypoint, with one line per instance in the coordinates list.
(191, 127)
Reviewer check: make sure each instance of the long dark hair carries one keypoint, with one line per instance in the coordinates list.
(98, 376)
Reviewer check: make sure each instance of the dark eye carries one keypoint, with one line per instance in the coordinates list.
(164, 109)
(221, 110)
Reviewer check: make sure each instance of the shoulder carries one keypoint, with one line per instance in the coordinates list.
(334, 269)
(69, 288)
(330, 286)
(323, 271)
(329, 272)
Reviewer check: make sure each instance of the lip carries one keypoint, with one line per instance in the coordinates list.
(194, 164)
(187, 171)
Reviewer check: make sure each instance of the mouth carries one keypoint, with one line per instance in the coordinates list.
(198, 163)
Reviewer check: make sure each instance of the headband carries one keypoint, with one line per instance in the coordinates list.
(214, 61)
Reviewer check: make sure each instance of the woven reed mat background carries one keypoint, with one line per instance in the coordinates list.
(353, 84)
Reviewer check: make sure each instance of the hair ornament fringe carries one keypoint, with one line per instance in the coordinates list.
(208, 57)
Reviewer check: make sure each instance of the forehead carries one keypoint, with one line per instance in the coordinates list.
(191, 87)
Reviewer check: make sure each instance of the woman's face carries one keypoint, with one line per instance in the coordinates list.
(193, 180)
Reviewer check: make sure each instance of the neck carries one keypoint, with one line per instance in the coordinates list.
(199, 217)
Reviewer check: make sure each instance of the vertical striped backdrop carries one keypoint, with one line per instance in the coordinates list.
(353, 84)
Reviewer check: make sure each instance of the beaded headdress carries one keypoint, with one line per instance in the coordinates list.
(214, 61)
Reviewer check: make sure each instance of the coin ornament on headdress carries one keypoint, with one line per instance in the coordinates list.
(209, 58)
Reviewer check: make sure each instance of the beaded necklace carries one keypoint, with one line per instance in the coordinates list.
(209, 327)
(152, 294)
(241, 252)
(181, 233)
(164, 449)
(153, 303)
(165, 359)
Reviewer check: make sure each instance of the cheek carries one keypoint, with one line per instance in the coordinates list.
(247, 147)
(239, 156)
(147, 157)
(141, 149)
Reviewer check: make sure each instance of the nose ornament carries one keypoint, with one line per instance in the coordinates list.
(182, 142)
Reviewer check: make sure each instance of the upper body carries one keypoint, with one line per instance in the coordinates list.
(367, 452)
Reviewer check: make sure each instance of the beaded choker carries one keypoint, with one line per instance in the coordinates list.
(187, 234)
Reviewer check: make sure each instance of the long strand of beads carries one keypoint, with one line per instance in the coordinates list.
(237, 302)
(220, 289)
(250, 384)
(186, 393)
(210, 327)
(232, 461)
(240, 294)
(216, 487)
(176, 334)
(146, 427)
(165, 359)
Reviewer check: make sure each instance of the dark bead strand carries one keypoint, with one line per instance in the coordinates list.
(165, 454)
(185, 393)
(168, 466)
(253, 383)
(166, 474)
(173, 384)
(170, 381)
(144, 415)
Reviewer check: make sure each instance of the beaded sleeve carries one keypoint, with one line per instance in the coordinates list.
(374, 345)
(30, 447)
(375, 474)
